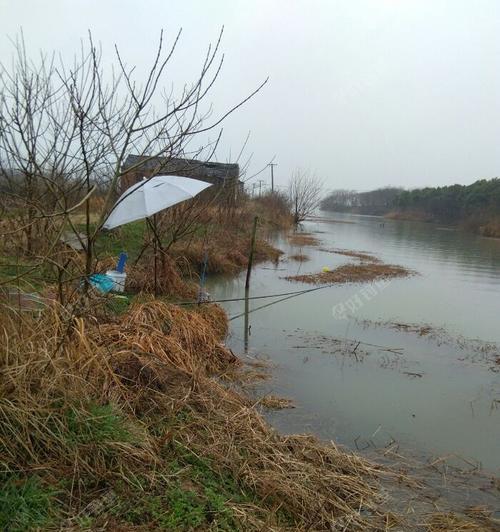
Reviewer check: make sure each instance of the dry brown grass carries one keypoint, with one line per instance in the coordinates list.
(353, 273)
(275, 402)
(226, 252)
(448, 522)
(183, 339)
(320, 485)
(303, 239)
(273, 210)
(150, 364)
(169, 282)
(216, 317)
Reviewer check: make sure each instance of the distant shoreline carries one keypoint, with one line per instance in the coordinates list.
(487, 227)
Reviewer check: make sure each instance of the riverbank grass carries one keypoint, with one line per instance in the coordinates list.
(135, 420)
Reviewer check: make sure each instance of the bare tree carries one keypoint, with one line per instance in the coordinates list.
(65, 131)
(304, 194)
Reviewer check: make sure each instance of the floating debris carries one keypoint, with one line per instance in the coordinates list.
(478, 351)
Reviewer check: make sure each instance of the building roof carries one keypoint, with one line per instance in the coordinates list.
(189, 167)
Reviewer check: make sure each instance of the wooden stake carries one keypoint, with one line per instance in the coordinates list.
(156, 255)
(247, 283)
(250, 256)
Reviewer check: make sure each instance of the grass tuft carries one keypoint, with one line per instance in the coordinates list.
(25, 504)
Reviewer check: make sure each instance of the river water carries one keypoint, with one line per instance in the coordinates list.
(435, 394)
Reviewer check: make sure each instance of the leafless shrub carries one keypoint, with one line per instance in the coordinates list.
(304, 194)
(65, 130)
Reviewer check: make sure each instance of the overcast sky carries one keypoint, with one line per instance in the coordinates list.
(364, 93)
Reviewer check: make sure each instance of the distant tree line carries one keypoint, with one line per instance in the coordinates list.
(378, 202)
(478, 202)
(453, 203)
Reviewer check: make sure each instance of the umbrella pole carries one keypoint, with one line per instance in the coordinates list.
(152, 226)
(156, 255)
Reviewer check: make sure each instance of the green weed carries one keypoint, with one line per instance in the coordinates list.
(24, 504)
(99, 424)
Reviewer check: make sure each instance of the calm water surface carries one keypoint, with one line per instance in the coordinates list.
(431, 395)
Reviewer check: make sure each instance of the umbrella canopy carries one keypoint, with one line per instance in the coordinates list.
(151, 196)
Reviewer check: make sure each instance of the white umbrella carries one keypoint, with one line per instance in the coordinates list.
(151, 196)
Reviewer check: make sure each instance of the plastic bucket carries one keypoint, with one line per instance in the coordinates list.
(118, 280)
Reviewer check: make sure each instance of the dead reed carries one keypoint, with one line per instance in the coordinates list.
(353, 273)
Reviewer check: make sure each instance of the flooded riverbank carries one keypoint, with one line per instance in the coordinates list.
(358, 380)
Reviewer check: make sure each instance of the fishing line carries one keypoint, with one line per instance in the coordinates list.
(296, 292)
(293, 294)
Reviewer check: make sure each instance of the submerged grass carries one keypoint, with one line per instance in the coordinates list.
(303, 239)
(274, 402)
(299, 257)
(446, 522)
(361, 255)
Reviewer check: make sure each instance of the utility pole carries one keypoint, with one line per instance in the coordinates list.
(260, 187)
(272, 165)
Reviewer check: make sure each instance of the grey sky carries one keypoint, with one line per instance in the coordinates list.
(365, 93)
